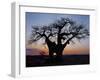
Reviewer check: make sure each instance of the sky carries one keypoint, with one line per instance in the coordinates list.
(39, 19)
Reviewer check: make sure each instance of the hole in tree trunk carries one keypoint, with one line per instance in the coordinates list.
(54, 54)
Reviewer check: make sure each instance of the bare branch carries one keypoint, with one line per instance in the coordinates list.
(63, 30)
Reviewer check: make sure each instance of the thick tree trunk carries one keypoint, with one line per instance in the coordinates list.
(59, 56)
(50, 53)
(51, 47)
(60, 51)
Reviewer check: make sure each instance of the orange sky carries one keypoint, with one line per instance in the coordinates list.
(70, 49)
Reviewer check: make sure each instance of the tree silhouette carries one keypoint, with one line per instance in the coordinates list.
(59, 34)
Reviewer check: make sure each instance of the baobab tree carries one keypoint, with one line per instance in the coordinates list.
(59, 34)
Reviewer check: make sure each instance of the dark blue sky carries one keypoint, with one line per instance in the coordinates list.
(47, 18)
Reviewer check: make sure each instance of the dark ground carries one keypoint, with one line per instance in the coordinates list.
(37, 61)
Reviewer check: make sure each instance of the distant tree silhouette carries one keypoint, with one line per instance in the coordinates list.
(59, 34)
